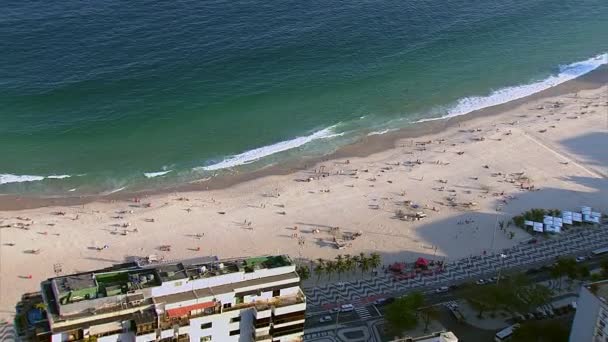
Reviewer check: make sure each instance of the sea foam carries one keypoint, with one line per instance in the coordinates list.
(504, 95)
(156, 174)
(7, 178)
(265, 151)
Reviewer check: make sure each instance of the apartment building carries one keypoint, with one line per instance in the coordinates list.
(591, 319)
(202, 299)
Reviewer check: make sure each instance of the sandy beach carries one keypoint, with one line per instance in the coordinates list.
(546, 151)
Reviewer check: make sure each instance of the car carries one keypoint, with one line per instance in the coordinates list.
(380, 301)
(346, 307)
(325, 319)
(442, 289)
(480, 282)
(580, 258)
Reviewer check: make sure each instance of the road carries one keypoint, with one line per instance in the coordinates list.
(519, 258)
(370, 312)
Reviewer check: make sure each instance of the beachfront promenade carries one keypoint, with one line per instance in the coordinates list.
(362, 292)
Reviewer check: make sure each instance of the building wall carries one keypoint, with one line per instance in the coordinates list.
(587, 308)
(126, 337)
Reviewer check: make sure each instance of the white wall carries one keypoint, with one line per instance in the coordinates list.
(219, 330)
(126, 337)
(290, 291)
(291, 308)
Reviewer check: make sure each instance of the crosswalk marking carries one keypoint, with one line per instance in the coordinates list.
(449, 303)
(362, 312)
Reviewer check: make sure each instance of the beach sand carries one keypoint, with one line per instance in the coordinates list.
(465, 177)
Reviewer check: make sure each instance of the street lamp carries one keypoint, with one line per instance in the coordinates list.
(338, 313)
(494, 233)
(502, 257)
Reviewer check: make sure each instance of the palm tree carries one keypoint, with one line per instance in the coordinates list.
(429, 313)
(319, 269)
(330, 268)
(339, 265)
(356, 262)
(375, 260)
(304, 272)
(363, 262)
(349, 263)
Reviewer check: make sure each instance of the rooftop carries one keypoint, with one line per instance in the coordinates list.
(125, 278)
(599, 289)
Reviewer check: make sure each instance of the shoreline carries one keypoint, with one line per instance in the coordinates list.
(363, 147)
(439, 196)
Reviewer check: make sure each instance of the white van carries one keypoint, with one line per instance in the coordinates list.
(346, 307)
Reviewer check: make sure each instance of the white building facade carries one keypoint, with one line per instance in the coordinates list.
(254, 299)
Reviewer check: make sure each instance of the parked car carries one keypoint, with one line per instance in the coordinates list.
(480, 282)
(346, 307)
(442, 289)
(325, 319)
(580, 258)
(380, 301)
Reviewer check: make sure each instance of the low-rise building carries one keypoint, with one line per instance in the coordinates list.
(591, 319)
(202, 299)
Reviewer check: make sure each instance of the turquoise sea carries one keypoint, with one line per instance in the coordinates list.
(97, 96)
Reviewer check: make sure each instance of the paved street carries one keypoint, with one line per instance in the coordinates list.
(363, 292)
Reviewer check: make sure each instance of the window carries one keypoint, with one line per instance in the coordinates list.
(235, 332)
(235, 319)
(206, 325)
(206, 338)
(227, 305)
(276, 293)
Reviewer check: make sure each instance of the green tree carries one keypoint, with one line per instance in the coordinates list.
(330, 268)
(429, 313)
(340, 265)
(375, 260)
(481, 298)
(365, 263)
(583, 272)
(349, 263)
(402, 313)
(604, 267)
(319, 269)
(564, 267)
(356, 262)
(541, 331)
(304, 272)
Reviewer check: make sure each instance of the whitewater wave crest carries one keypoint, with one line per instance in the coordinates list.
(156, 174)
(265, 151)
(7, 178)
(384, 131)
(504, 95)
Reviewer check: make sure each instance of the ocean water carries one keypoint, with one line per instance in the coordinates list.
(106, 96)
